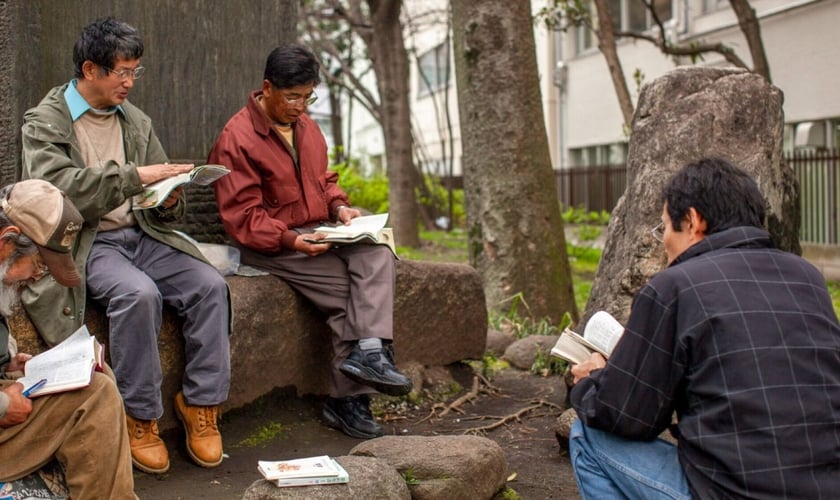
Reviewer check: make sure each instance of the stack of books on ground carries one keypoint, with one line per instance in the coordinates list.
(303, 471)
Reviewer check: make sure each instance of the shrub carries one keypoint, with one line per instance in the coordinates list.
(369, 193)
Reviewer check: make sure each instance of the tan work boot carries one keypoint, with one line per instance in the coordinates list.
(204, 442)
(148, 453)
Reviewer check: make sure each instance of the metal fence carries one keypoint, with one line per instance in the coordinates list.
(598, 188)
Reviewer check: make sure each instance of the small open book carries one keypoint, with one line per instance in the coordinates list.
(67, 366)
(365, 229)
(156, 193)
(600, 335)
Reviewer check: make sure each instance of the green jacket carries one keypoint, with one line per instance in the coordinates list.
(51, 152)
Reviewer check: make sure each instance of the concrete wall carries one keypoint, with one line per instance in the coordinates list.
(201, 60)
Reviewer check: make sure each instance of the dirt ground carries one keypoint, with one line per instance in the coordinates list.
(280, 426)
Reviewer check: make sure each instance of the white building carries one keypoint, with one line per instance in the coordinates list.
(801, 50)
(582, 116)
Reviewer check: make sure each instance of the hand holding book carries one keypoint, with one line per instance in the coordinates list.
(365, 229)
(67, 366)
(156, 193)
(600, 335)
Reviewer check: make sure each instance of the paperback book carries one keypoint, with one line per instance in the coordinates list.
(67, 366)
(600, 335)
(156, 193)
(303, 471)
(365, 229)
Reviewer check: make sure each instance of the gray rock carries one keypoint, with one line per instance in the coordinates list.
(523, 352)
(279, 339)
(497, 342)
(682, 116)
(564, 427)
(436, 467)
(370, 479)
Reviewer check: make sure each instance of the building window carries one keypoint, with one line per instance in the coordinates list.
(628, 15)
(600, 155)
(433, 72)
(710, 6)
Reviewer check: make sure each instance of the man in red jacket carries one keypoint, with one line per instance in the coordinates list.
(278, 190)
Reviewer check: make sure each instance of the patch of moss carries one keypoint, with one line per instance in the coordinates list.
(263, 435)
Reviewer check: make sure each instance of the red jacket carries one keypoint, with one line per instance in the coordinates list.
(265, 195)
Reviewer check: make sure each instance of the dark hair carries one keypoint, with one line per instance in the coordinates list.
(290, 66)
(722, 193)
(23, 243)
(103, 41)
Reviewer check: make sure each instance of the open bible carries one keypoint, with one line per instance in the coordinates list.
(67, 366)
(156, 193)
(600, 335)
(365, 229)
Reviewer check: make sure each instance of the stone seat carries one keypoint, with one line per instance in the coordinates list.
(278, 339)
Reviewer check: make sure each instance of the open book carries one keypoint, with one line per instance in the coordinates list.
(303, 471)
(600, 335)
(67, 366)
(365, 229)
(156, 193)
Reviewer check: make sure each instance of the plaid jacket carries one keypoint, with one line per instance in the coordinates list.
(742, 342)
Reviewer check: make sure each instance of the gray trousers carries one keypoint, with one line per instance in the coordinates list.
(133, 276)
(353, 285)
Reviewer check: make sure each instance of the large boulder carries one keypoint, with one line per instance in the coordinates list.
(683, 116)
(442, 466)
(279, 339)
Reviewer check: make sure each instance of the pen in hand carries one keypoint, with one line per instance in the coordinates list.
(34, 387)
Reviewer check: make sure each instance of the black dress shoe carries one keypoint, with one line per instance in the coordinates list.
(351, 415)
(375, 368)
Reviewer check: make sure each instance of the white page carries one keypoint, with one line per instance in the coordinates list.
(603, 331)
(365, 224)
(67, 363)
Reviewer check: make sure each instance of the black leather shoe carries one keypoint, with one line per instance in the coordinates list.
(375, 368)
(351, 415)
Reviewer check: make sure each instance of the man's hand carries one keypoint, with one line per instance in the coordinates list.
(346, 214)
(18, 362)
(582, 370)
(173, 197)
(19, 406)
(306, 243)
(153, 173)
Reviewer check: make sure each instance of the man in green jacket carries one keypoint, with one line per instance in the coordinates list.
(89, 141)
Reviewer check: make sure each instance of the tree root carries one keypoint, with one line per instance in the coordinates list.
(479, 385)
(512, 417)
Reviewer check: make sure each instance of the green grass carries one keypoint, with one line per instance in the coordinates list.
(438, 246)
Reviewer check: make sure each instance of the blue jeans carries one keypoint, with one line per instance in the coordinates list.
(608, 466)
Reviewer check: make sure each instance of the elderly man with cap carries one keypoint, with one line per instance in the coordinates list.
(85, 429)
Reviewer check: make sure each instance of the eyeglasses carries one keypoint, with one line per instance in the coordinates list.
(125, 74)
(658, 232)
(306, 101)
(41, 268)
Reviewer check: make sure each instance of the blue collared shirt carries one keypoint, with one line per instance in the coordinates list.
(77, 104)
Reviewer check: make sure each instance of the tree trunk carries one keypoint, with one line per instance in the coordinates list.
(515, 231)
(748, 22)
(390, 63)
(606, 44)
(336, 123)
